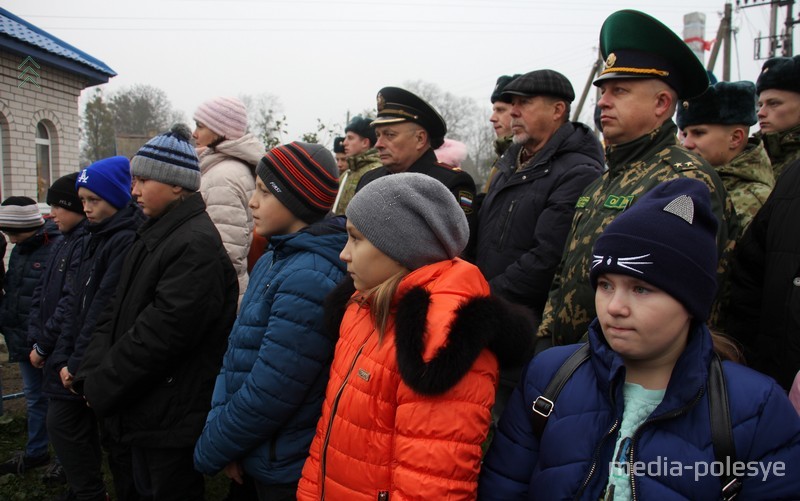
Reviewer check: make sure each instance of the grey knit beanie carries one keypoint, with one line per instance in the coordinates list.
(169, 158)
(412, 218)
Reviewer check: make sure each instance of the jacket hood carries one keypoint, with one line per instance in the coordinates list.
(247, 149)
(325, 238)
(572, 137)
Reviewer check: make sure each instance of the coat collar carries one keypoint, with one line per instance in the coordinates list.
(620, 157)
(154, 230)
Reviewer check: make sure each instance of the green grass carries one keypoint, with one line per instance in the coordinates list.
(29, 487)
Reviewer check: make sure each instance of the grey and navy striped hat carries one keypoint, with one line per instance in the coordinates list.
(19, 215)
(169, 158)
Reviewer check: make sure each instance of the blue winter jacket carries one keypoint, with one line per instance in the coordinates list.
(26, 265)
(268, 395)
(571, 461)
(102, 252)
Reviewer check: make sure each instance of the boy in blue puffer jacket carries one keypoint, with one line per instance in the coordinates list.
(33, 240)
(635, 420)
(268, 395)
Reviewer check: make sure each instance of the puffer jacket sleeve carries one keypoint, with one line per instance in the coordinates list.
(164, 330)
(294, 348)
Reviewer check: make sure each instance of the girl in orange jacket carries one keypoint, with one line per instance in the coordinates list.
(415, 370)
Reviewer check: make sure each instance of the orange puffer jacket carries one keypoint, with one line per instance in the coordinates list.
(405, 418)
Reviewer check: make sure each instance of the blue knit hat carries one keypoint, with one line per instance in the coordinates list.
(110, 179)
(667, 239)
(169, 158)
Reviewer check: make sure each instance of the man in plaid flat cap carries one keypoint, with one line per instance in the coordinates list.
(525, 217)
(648, 68)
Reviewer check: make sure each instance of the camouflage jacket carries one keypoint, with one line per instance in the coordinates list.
(357, 166)
(501, 145)
(783, 148)
(633, 169)
(749, 180)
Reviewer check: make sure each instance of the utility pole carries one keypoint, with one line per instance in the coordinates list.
(598, 64)
(723, 39)
(785, 40)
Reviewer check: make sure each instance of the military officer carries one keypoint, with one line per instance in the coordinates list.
(338, 152)
(648, 67)
(778, 88)
(716, 126)
(408, 129)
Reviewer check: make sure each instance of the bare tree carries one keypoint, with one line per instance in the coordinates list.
(265, 118)
(467, 121)
(142, 109)
(97, 130)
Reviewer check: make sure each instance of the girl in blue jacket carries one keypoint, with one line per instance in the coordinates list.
(268, 395)
(633, 422)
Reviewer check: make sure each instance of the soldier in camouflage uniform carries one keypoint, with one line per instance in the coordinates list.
(716, 126)
(647, 68)
(362, 157)
(501, 122)
(338, 152)
(778, 88)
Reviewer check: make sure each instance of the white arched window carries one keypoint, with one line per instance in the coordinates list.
(43, 161)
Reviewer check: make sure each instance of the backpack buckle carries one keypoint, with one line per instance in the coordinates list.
(543, 406)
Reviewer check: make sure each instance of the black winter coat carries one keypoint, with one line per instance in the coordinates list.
(765, 283)
(150, 367)
(525, 218)
(102, 252)
(26, 266)
(53, 302)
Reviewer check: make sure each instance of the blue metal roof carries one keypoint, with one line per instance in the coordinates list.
(20, 36)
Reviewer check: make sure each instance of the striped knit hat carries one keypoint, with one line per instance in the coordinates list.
(169, 158)
(20, 214)
(225, 116)
(302, 177)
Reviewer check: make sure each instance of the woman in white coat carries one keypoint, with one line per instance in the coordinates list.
(228, 157)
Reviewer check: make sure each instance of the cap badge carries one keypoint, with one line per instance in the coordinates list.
(686, 105)
(611, 60)
(381, 102)
(683, 207)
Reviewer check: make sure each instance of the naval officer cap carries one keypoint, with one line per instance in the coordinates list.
(636, 45)
(396, 105)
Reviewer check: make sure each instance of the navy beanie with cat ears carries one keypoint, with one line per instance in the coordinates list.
(668, 239)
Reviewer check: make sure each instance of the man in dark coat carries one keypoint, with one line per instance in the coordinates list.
(408, 129)
(149, 370)
(526, 215)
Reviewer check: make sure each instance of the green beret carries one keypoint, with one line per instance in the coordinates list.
(363, 127)
(338, 144)
(636, 45)
(724, 103)
(397, 105)
(497, 93)
(781, 73)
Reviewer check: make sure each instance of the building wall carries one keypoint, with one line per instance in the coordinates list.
(55, 103)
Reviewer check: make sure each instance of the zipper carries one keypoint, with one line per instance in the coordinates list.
(509, 213)
(334, 406)
(599, 447)
(669, 415)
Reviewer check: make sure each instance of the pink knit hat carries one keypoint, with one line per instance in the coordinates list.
(225, 116)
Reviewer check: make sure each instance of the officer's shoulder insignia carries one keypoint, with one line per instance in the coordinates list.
(465, 199)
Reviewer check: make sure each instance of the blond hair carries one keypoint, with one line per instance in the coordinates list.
(380, 299)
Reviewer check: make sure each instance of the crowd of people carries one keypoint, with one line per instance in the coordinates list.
(606, 318)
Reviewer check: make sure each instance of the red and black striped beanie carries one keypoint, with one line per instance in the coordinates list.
(303, 177)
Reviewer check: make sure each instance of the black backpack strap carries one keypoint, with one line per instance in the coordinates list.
(544, 403)
(721, 428)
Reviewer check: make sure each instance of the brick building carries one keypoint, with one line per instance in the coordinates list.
(41, 79)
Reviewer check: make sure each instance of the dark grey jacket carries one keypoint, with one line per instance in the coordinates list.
(525, 217)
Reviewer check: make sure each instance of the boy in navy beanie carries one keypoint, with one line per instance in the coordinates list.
(149, 370)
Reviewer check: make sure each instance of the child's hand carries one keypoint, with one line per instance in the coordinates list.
(66, 378)
(234, 472)
(36, 359)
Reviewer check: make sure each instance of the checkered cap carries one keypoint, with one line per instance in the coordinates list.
(541, 83)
